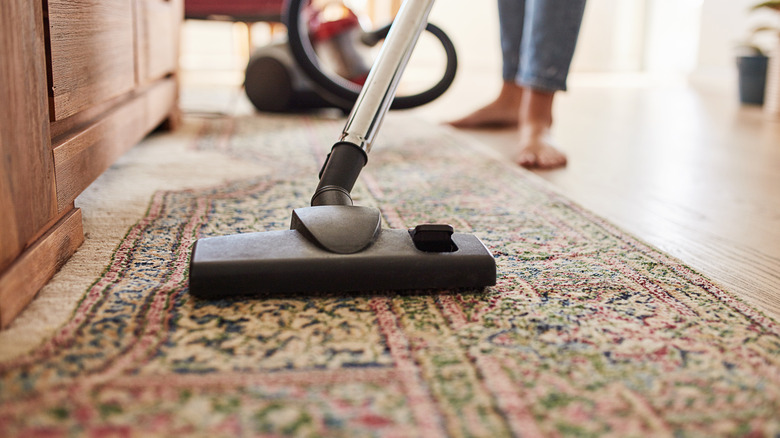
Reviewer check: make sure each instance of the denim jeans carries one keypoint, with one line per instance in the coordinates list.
(538, 39)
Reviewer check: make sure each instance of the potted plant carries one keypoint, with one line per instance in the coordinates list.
(752, 60)
(752, 64)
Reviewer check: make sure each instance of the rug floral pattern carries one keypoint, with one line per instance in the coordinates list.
(588, 331)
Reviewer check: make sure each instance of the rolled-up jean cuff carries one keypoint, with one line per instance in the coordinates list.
(540, 84)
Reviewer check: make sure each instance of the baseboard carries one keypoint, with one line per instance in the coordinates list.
(32, 270)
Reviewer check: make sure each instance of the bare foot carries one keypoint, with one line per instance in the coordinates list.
(492, 115)
(504, 112)
(537, 151)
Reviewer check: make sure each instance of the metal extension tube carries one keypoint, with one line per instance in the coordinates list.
(380, 86)
(343, 165)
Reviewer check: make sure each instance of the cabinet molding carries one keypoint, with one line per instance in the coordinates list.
(30, 272)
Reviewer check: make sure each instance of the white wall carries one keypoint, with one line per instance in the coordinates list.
(723, 25)
(672, 40)
(612, 37)
(656, 36)
(473, 28)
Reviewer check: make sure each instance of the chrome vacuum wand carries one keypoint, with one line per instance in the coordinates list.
(333, 245)
(350, 154)
(380, 86)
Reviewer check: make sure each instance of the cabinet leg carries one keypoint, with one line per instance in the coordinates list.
(171, 123)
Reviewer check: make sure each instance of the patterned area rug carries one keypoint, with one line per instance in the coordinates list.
(588, 331)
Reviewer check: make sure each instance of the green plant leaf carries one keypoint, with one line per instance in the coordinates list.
(772, 4)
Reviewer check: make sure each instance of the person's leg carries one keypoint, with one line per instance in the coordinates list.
(504, 111)
(548, 42)
(536, 148)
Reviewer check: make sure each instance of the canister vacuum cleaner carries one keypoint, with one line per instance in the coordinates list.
(334, 245)
(324, 61)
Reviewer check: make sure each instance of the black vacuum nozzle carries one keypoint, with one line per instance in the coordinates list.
(280, 263)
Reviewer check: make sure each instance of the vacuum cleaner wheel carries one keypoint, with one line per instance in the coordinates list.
(268, 84)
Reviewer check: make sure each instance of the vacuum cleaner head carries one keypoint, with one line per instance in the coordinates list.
(338, 248)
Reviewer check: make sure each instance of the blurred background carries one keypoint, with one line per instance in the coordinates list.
(623, 43)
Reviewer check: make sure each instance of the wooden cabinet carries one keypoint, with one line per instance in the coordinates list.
(92, 53)
(157, 30)
(81, 81)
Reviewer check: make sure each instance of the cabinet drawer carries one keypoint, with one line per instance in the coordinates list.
(92, 53)
(157, 27)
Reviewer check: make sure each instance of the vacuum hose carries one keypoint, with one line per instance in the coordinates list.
(343, 93)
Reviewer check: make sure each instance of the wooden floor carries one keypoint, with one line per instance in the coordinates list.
(684, 168)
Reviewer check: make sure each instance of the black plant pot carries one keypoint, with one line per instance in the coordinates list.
(752, 78)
